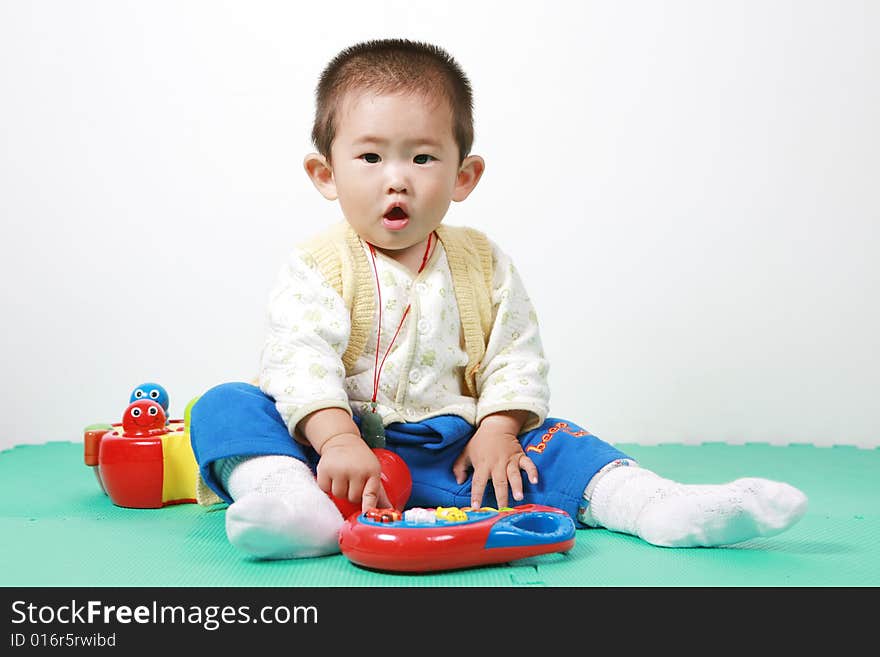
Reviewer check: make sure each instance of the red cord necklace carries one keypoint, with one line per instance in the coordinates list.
(371, 424)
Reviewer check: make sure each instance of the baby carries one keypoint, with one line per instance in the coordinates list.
(392, 322)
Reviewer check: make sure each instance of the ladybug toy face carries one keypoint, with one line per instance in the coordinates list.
(143, 418)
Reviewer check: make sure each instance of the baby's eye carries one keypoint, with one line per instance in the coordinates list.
(370, 158)
(423, 158)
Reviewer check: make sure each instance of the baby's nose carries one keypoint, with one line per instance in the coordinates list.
(397, 179)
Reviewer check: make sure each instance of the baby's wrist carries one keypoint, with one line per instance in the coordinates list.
(337, 440)
(321, 426)
(505, 421)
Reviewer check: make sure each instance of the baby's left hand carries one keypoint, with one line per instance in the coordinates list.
(494, 452)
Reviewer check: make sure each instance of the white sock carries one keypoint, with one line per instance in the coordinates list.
(663, 512)
(278, 511)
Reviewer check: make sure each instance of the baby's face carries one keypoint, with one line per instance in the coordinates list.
(395, 163)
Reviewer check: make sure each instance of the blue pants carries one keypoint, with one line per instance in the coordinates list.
(238, 419)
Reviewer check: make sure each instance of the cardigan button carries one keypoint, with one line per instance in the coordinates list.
(415, 376)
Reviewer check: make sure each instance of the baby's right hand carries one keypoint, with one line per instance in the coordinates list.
(349, 469)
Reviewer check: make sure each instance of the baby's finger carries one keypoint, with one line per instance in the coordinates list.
(515, 479)
(339, 488)
(529, 466)
(356, 489)
(325, 483)
(383, 501)
(370, 498)
(478, 487)
(499, 482)
(460, 468)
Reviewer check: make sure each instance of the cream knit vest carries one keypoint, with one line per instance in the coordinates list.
(339, 255)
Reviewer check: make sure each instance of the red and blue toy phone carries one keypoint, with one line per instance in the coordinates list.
(447, 538)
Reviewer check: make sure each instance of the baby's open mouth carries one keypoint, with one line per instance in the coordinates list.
(395, 219)
(396, 214)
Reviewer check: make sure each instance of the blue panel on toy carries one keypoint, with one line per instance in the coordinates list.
(535, 528)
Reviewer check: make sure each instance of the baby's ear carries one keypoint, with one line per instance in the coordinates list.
(468, 176)
(321, 174)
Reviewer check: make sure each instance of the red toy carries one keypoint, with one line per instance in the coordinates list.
(448, 538)
(145, 461)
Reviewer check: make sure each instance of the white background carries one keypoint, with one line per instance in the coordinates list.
(689, 189)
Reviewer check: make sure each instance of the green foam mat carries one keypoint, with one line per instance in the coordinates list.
(59, 529)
